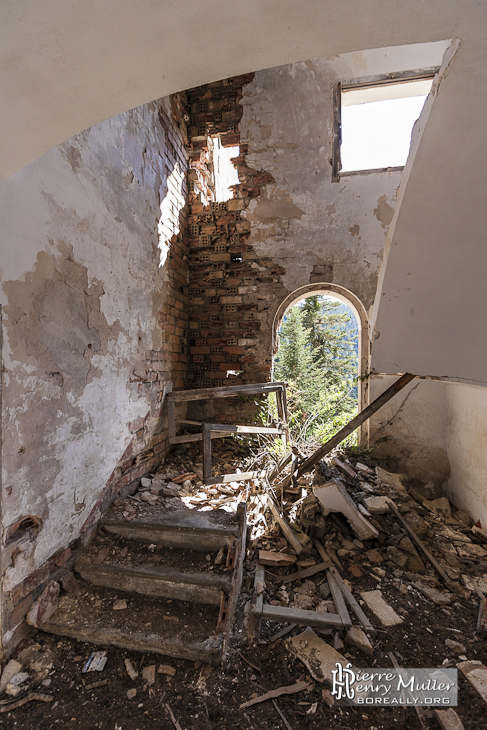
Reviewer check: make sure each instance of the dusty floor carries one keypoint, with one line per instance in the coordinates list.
(205, 697)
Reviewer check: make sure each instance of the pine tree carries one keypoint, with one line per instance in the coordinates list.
(334, 341)
(296, 364)
(318, 358)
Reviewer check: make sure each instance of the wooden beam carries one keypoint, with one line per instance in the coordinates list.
(419, 542)
(306, 572)
(189, 437)
(299, 616)
(286, 528)
(224, 392)
(418, 708)
(347, 593)
(339, 600)
(351, 426)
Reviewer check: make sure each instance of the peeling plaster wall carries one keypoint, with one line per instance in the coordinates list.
(288, 225)
(315, 229)
(410, 430)
(436, 431)
(467, 437)
(94, 304)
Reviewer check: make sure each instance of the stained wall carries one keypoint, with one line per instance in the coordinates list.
(94, 295)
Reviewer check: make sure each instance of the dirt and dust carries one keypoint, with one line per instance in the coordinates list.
(438, 623)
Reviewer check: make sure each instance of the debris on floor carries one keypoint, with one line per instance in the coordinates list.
(346, 562)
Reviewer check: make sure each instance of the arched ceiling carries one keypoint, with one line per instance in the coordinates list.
(67, 65)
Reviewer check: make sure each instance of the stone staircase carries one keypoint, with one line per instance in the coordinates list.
(167, 585)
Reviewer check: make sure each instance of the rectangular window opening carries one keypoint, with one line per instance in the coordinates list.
(374, 122)
(225, 174)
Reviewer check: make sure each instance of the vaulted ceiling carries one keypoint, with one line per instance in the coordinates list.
(67, 65)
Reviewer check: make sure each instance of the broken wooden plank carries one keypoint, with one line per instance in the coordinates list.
(173, 719)
(321, 550)
(344, 467)
(338, 599)
(282, 632)
(286, 724)
(449, 719)
(352, 425)
(299, 616)
(286, 528)
(351, 601)
(223, 391)
(419, 709)
(287, 690)
(225, 478)
(282, 463)
(96, 685)
(31, 697)
(306, 572)
(237, 578)
(272, 557)
(259, 584)
(407, 527)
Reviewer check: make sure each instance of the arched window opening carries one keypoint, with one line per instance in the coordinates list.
(319, 353)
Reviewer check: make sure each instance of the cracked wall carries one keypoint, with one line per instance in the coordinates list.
(94, 296)
(288, 225)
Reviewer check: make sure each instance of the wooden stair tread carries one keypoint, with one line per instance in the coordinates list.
(201, 588)
(173, 628)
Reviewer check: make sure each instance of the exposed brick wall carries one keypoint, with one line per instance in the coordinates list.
(225, 271)
(18, 601)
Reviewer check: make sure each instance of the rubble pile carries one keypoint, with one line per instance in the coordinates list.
(348, 563)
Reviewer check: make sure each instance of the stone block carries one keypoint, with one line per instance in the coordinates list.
(377, 505)
(358, 638)
(318, 657)
(380, 608)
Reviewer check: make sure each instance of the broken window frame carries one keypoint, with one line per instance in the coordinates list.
(392, 79)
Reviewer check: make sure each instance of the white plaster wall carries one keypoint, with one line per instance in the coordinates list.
(68, 65)
(303, 219)
(466, 445)
(436, 431)
(410, 431)
(80, 268)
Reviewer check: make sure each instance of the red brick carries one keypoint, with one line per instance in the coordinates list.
(19, 612)
(29, 584)
(61, 557)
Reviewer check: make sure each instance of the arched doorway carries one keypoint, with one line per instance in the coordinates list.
(354, 304)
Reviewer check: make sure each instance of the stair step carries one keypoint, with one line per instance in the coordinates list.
(115, 550)
(163, 582)
(200, 531)
(175, 629)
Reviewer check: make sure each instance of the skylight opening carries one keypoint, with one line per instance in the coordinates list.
(377, 123)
